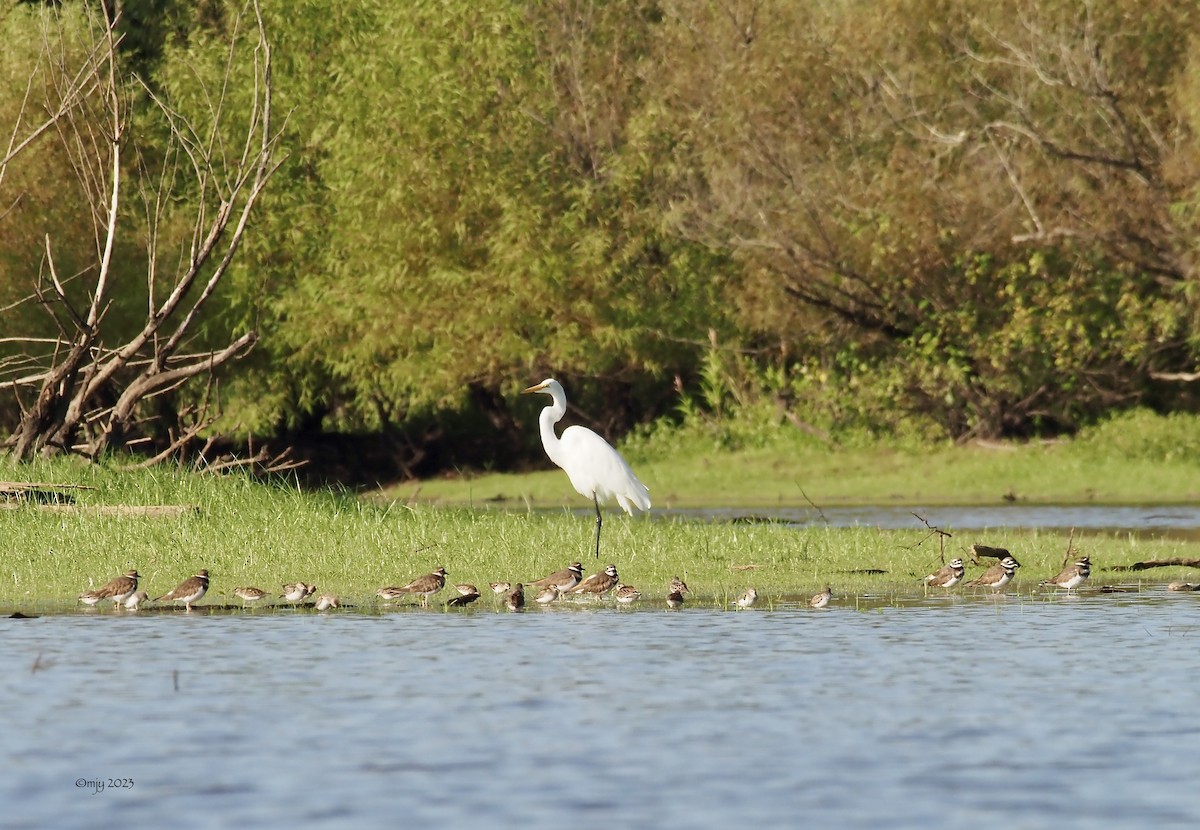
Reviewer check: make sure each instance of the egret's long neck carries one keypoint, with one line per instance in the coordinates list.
(550, 416)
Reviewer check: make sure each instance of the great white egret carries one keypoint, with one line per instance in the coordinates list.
(597, 471)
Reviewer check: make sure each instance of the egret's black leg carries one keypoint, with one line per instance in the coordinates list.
(599, 522)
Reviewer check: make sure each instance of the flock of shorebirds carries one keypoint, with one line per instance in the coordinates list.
(569, 582)
(123, 591)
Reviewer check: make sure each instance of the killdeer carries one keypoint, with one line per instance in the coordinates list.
(249, 594)
(135, 600)
(675, 599)
(298, 591)
(188, 591)
(626, 593)
(678, 586)
(598, 584)
(549, 594)
(997, 576)
(118, 590)
(822, 599)
(500, 587)
(326, 601)
(1072, 576)
(515, 599)
(424, 586)
(563, 580)
(947, 576)
(747, 599)
(464, 597)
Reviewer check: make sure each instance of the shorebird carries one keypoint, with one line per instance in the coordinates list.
(118, 590)
(326, 601)
(500, 587)
(598, 584)
(1072, 576)
(249, 594)
(515, 600)
(997, 576)
(947, 576)
(464, 597)
(549, 594)
(563, 580)
(424, 586)
(135, 600)
(678, 586)
(822, 599)
(747, 599)
(188, 591)
(298, 591)
(626, 594)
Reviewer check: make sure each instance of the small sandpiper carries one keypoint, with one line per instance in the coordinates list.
(515, 599)
(626, 594)
(326, 601)
(249, 594)
(822, 599)
(747, 599)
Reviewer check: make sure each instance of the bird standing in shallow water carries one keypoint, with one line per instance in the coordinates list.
(515, 600)
(188, 591)
(597, 471)
(747, 599)
(948, 575)
(1072, 576)
(822, 599)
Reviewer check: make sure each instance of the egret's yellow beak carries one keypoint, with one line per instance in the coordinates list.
(538, 388)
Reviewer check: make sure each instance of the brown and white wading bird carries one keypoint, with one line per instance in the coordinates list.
(997, 576)
(626, 594)
(297, 591)
(598, 584)
(947, 576)
(596, 470)
(118, 590)
(500, 587)
(466, 595)
(135, 600)
(188, 591)
(1072, 576)
(563, 580)
(678, 586)
(675, 599)
(822, 599)
(248, 594)
(549, 594)
(515, 599)
(747, 599)
(326, 601)
(424, 586)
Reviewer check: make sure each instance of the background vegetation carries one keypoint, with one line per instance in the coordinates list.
(918, 219)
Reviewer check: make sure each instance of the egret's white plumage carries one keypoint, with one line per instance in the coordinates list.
(596, 470)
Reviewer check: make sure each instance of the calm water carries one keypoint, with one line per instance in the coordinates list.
(1183, 520)
(1023, 712)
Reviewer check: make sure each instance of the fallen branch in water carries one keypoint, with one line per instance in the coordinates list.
(1159, 563)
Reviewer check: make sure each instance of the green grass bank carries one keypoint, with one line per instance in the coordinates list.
(249, 533)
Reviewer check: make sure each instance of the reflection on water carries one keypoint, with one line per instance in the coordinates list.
(1158, 519)
(1021, 712)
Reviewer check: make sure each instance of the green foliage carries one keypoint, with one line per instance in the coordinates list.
(915, 221)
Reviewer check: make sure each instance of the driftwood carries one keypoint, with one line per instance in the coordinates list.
(154, 511)
(986, 550)
(1159, 563)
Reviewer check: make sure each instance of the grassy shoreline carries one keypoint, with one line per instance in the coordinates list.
(247, 533)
